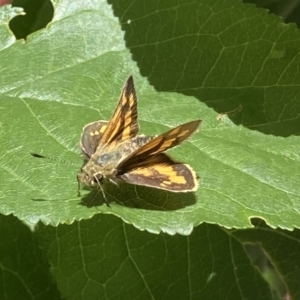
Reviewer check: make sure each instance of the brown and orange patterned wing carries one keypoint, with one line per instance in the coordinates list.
(161, 172)
(123, 124)
(159, 144)
(90, 137)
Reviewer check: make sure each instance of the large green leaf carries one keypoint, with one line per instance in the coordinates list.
(220, 52)
(70, 74)
(112, 260)
(24, 268)
(225, 53)
(103, 258)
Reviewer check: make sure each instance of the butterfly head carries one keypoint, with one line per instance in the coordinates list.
(89, 176)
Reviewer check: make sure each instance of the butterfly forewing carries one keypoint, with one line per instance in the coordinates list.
(160, 144)
(123, 124)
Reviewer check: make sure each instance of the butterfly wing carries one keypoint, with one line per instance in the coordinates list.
(91, 135)
(159, 144)
(123, 124)
(162, 172)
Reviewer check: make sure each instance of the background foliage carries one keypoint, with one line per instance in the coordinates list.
(231, 64)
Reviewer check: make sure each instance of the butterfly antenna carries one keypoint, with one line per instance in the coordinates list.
(52, 158)
(78, 189)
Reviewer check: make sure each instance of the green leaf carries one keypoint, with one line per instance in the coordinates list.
(24, 269)
(281, 250)
(227, 55)
(224, 53)
(74, 78)
(6, 13)
(112, 260)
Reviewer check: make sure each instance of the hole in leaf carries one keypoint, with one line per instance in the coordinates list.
(38, 13)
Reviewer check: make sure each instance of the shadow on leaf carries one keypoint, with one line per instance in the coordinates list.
(139, 197)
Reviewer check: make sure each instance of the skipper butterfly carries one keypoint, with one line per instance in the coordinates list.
(115, 152)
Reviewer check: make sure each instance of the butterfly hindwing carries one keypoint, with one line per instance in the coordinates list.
(162, 172)
(91, 135)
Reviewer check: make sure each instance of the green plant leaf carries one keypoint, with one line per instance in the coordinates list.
(112, 260)
(24, 269)
(7, 13)
(107, 258)
(227, 55)
(281, 254)
(79, 65)
(224, 53)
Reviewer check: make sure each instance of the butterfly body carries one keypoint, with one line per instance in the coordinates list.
(115, 152)
(104, 165)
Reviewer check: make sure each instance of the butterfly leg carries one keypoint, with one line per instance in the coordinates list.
(78, 188)
(114, 182)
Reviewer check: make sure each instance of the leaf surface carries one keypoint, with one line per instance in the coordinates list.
(75, 76)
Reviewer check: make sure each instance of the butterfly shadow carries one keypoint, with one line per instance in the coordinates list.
(139, 197)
